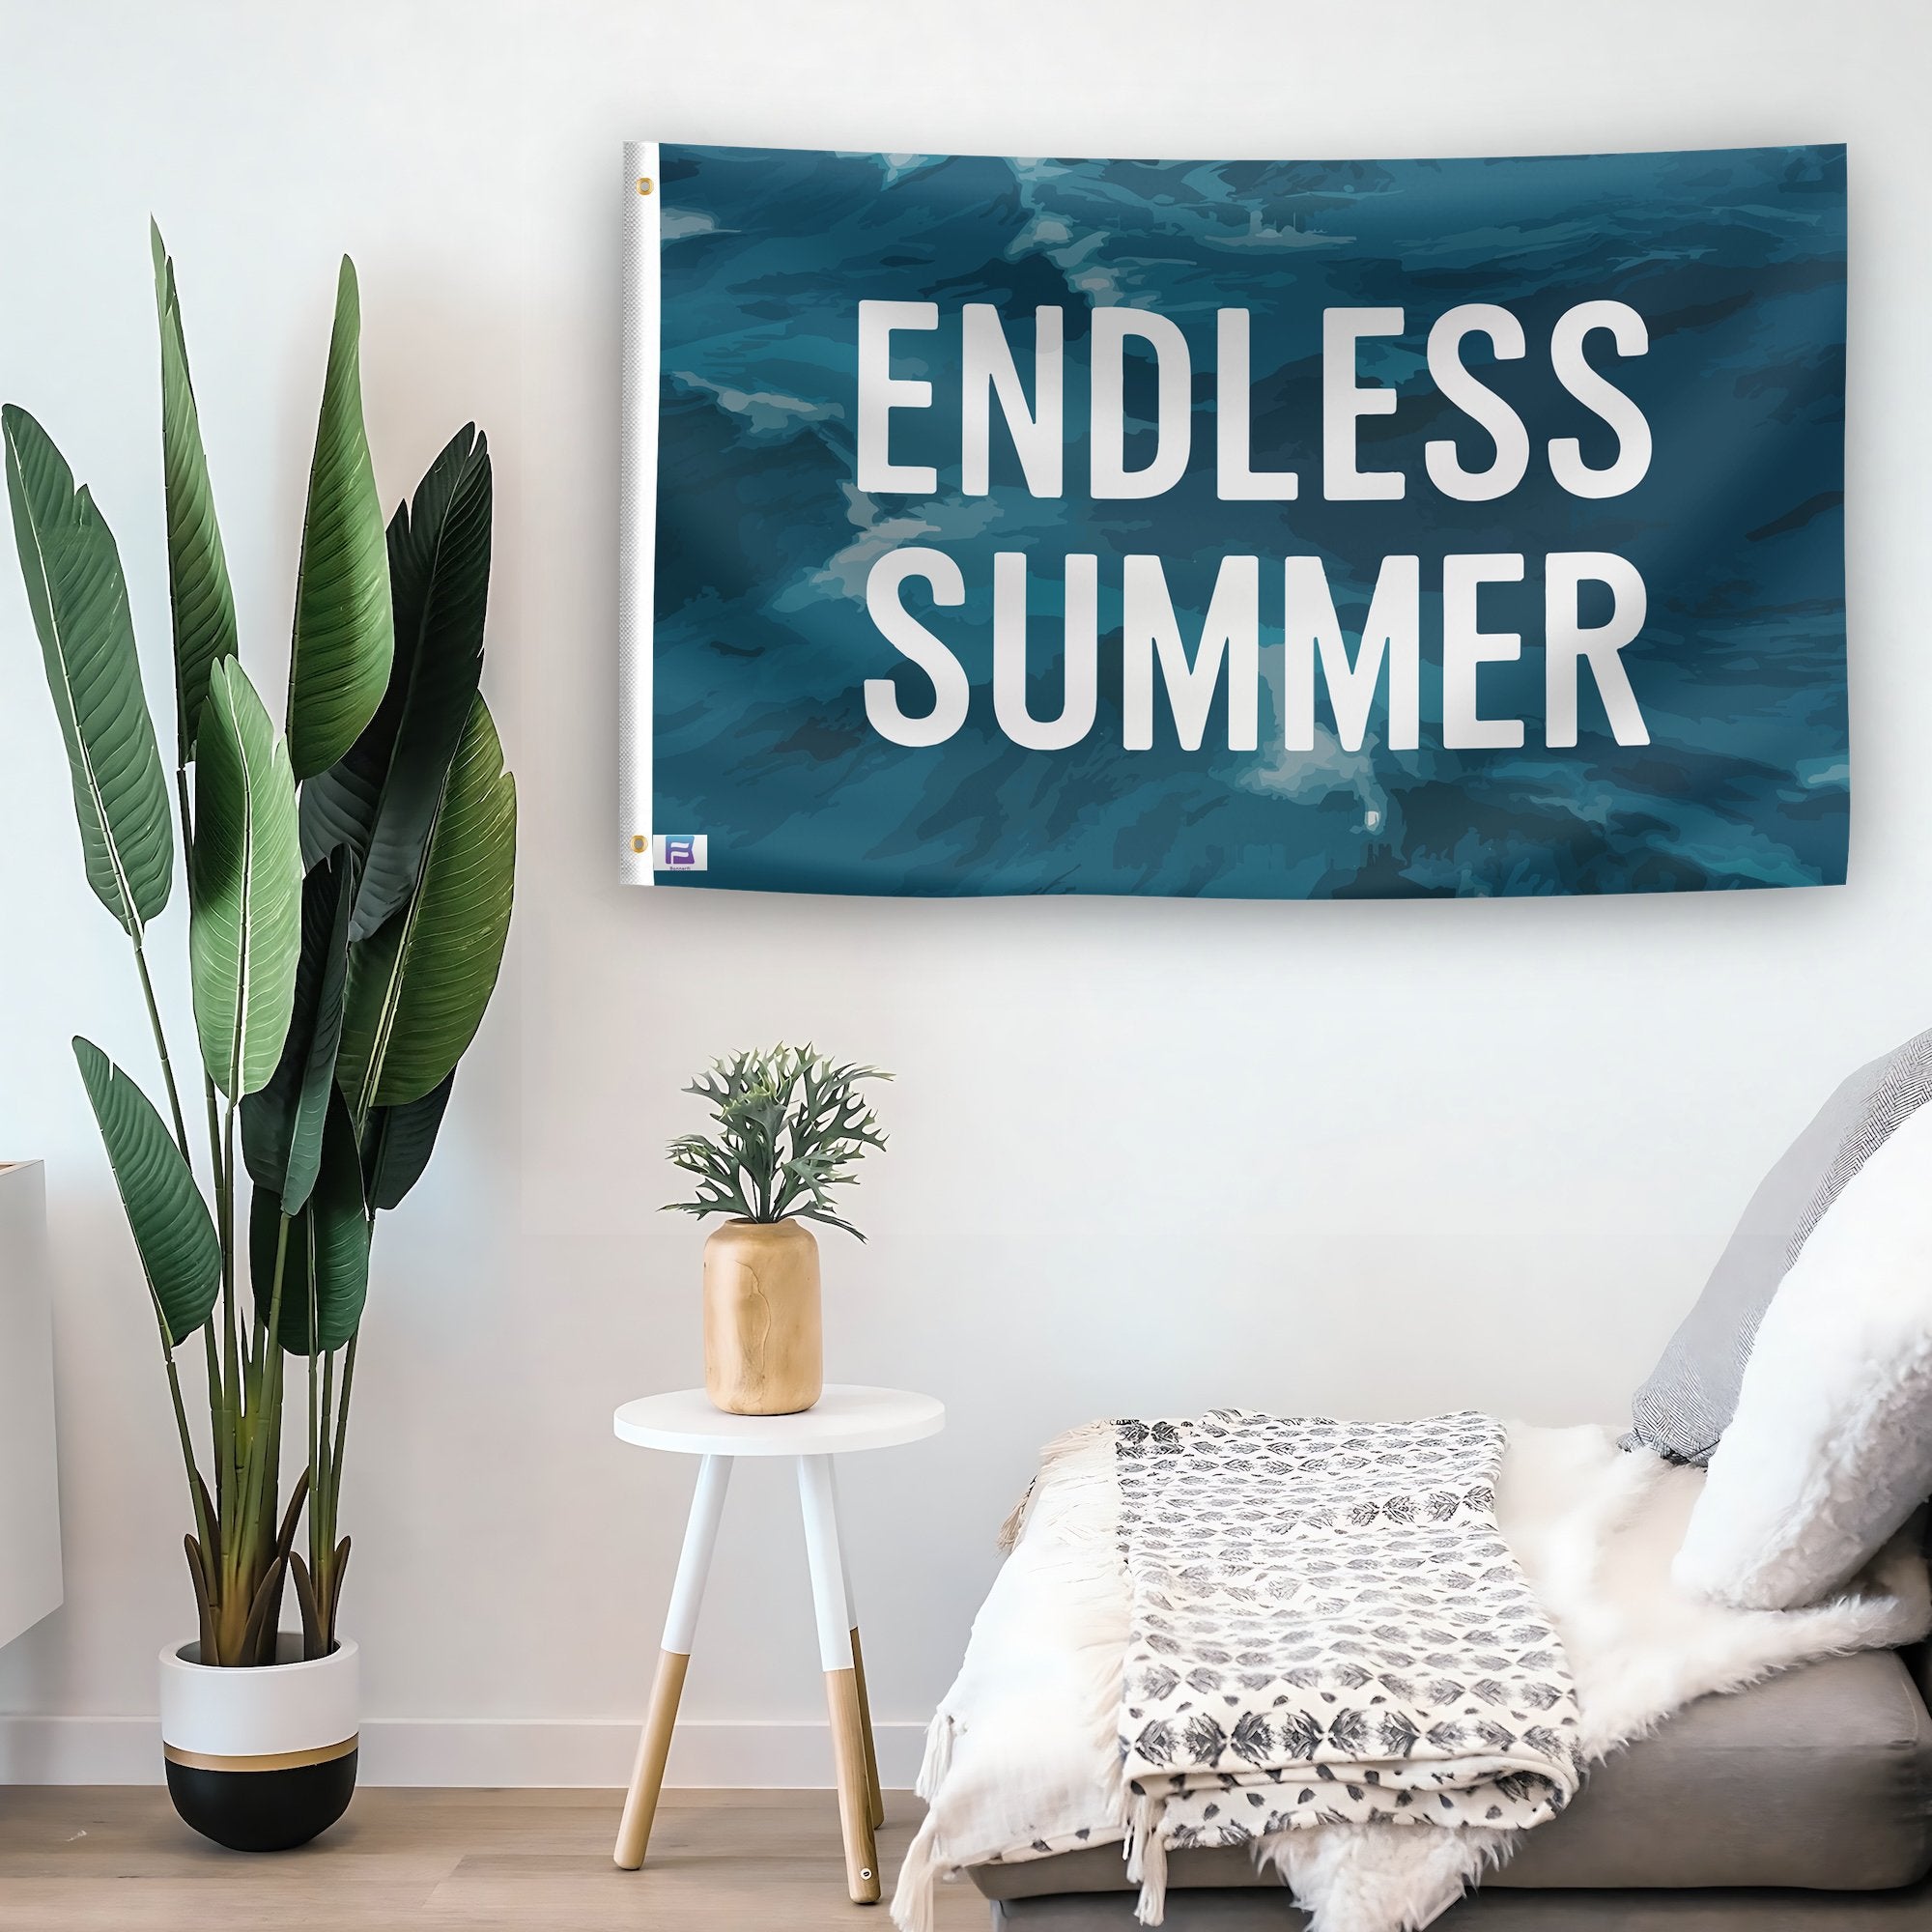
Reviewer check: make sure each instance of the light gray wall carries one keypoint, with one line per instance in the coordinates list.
(1153, 1157)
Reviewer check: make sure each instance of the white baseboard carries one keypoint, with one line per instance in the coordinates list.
(479, 1751)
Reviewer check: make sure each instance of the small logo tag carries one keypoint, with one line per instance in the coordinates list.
(678, 852)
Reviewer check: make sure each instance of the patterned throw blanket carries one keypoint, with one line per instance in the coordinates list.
(1326, 1626)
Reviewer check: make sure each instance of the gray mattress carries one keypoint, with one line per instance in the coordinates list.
(1805, 1802)
(1252, 1910)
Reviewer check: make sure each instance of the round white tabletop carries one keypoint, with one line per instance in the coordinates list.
(845, 1417)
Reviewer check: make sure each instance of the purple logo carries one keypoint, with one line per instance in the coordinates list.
(679, 852)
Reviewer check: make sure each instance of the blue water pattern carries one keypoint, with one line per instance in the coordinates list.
(1735, 260)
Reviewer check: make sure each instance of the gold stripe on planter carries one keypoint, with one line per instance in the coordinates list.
(267, 1761)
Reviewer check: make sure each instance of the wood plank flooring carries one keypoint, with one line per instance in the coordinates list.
(100, 1859)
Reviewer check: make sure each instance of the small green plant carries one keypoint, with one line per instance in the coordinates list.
(792, 1127)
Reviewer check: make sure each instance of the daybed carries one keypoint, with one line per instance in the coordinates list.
(1802, 1804)
(1675, 1656)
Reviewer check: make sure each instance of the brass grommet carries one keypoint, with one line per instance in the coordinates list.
(643, 183)
(638, 841)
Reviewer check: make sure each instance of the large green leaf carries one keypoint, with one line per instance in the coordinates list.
(326, 1263)
(79, 601)
(343, 635)
(281, 1125)
(173, 1233)
(198, 589)
(244, 887)
(398, 1141)
(418, 988)
(381, 797)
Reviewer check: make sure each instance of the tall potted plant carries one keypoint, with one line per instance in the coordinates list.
(348, 883)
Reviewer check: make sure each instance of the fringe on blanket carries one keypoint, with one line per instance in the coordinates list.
(1147, 1859)
(938, 1758)
(1060, 1451)
(921, 1869)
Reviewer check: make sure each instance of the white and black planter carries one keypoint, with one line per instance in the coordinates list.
(261, 1760)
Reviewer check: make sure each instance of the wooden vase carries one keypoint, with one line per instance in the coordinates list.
(764, 1348)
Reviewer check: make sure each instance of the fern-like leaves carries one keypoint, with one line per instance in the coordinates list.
(791, 1126)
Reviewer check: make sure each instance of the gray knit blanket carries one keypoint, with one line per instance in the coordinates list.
(1327, 1625)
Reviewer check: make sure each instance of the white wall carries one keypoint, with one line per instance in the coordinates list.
(1148, 1157)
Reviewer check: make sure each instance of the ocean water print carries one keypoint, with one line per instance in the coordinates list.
(1273, 529)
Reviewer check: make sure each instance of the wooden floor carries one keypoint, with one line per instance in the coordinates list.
(75, 1860)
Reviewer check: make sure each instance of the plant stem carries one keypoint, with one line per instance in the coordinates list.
(221, 1434)
(231, 1359)
(216, 1436)
(187, 813)
(268, 1409)
(324, 1544)
(321, 1520)
(234, 1414)
(162, 1047)
(321, 1517)
(315, 1440)
(242, 1565)
(194, 1487)
(341, 1425)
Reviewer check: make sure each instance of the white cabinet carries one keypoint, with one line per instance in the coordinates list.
(30, 1558)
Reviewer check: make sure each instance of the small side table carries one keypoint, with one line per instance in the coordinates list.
(844, 1419)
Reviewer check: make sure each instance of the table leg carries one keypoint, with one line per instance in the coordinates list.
(694, 1563)
(877, 1797)
(820, 1511)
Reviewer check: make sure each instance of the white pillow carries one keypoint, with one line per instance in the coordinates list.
(1830, 1449)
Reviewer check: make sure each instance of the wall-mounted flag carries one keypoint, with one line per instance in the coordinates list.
(1294, 529)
